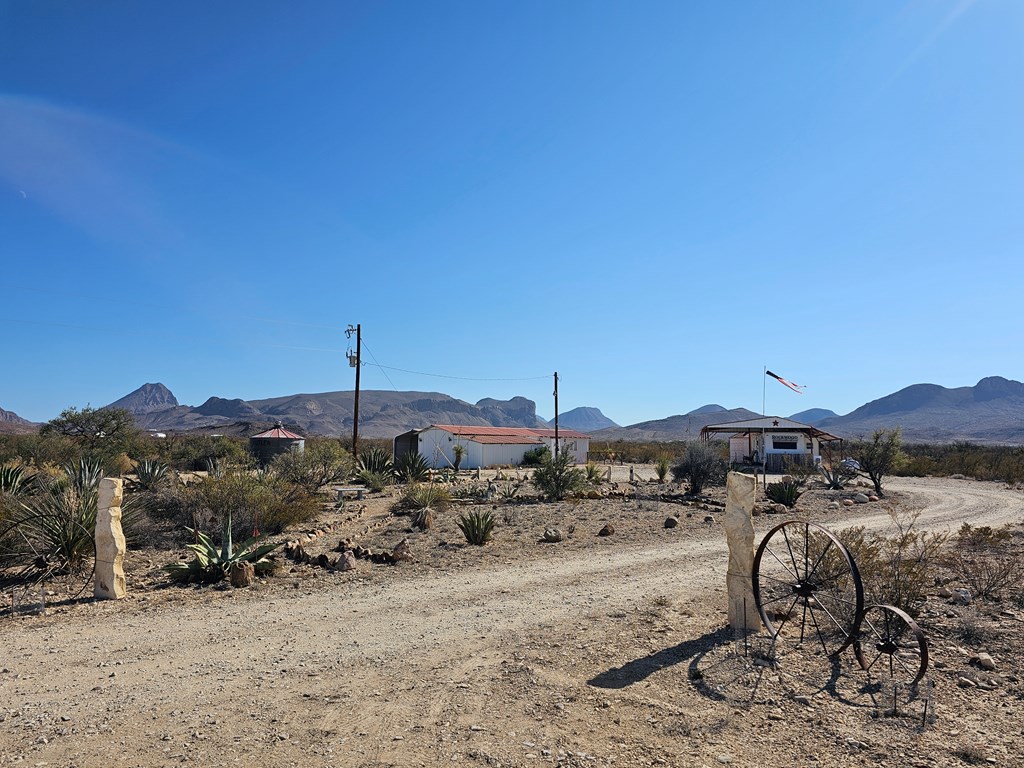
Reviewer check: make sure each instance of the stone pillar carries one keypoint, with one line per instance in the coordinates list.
(739, 531)
(110, 547)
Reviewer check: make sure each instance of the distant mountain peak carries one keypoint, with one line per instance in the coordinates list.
(709, 408)
(585, 419)
(149, 398)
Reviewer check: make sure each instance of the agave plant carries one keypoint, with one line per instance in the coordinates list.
(212, 563)
(376, 460)
(150, 475)
(477, 527)
(412, 468)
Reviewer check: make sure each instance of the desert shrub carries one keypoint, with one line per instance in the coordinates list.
(786, 492)
(376, 460)
(15, 481)
(254, 503)
(896, 564)
(458, 454)
(535, 457)
(631, 452)
(412, 468)
(477, 527)
(374, 481)
(39, 450)
(880, 456)
(983, 462)
(985, 559)
(422, 496)
(322, 462)
(558, 477)
(702, 464)
(661, 467)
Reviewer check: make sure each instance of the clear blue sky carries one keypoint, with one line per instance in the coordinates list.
(656, 199)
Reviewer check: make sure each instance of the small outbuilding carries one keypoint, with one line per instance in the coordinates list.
(266, 445)
(486, 446)
(771, 441)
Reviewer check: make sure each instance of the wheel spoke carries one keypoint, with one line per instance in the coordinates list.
(784, 566)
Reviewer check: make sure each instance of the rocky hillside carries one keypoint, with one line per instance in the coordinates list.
(813, 416)
(381, 413)
(12, 424)
(584, 419)
(684, 427)
(992, 411)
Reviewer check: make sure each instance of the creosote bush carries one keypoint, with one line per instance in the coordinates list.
(323, 461)
(702, 464)
(987, 560)
(896, 565)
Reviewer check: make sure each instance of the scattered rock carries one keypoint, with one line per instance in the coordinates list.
(985, 661)
(834, 505)
(860, 498)
(847, 502)
(552, 536)
(401, 552)
(607, 530)
(779, 509)
(347, 562)
(671, 522)
(709, 519)
(961, 596)
(872, 497)
(330, 562)
(944, 592)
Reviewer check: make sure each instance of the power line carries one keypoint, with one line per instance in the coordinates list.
(378, 365)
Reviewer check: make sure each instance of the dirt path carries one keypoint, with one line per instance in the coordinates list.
(486, 664)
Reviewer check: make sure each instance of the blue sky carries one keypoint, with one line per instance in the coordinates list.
(655, 199)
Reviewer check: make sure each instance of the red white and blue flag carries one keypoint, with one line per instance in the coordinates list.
(798, 388)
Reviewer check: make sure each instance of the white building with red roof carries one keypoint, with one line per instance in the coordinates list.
(486, 446)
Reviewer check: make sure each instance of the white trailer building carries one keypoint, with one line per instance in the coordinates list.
(771, 441)
(487, 446)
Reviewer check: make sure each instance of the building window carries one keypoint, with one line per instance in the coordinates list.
(784, 445)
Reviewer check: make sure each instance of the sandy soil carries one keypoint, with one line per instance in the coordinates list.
(593, 651)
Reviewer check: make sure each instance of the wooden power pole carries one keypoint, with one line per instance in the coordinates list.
(556, 414)
(355, 361)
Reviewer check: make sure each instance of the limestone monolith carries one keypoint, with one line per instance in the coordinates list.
(739, 531)
(109, 581)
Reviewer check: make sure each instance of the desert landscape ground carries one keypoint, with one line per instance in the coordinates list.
(592, 651)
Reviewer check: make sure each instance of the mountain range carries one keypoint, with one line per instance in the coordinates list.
(991, 412)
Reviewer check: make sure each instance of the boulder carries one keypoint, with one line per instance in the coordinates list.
(242, 574)
(552, 536)
(402, 553)
(847, 502)
(347, 562)
(607, 530)
(985, 661)
(671, 522)
(860, 498)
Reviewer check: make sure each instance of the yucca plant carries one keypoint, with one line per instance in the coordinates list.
(458, 454)
(785, 492)
(661, 467)
(593, 473)
(412, 468)
(477, 527)
(150, 475)
(14, 481)
(212, 563)
(422, 496)
(376, 460)
(59, 526)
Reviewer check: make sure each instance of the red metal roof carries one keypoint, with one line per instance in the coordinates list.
(279, 433)
(474, 433)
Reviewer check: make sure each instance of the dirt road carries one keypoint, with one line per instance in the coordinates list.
(487, 663)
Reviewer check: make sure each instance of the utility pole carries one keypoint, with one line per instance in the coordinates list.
(556, 414)
(355, 361)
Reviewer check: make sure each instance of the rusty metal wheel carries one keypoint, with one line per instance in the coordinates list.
(891, 645)
(807, 589)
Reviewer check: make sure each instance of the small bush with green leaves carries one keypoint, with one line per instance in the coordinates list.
(702, 464)
(477, 527)
(661, 467)
(375, 481)
(536, 457)
(559, 477)
(412, 468)
(786, 492)
(593, 473)
(896, 565)
(212, 563)
(322, 462)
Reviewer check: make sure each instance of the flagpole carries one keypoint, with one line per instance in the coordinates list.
(764, 442)
(764, 388)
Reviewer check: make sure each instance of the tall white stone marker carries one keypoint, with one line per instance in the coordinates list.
(109, 582)
(739, 531)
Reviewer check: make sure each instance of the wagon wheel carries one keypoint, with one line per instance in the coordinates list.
(891, 645)
(807, 589)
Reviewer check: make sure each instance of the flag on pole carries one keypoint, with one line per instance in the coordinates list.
(798, 388)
